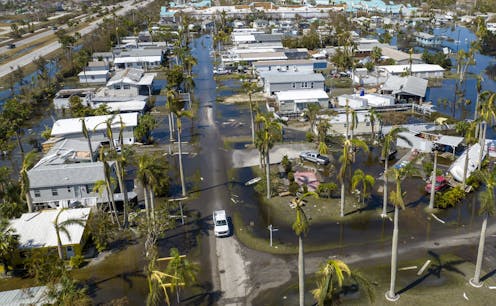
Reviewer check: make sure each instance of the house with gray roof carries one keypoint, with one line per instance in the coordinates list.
(405, 88)
(284, 81)
(69, 184)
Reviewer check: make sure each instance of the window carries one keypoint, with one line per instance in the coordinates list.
(270, 68)
(126, 86)
(304, 85)
(68, 188)
(92, 77)
(311, 85)
(117, 86)
(37, 193)
(293, 85)
(55, 192)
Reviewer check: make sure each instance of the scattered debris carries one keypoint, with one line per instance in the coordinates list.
(407, 268)
(465, 296)
(435, 217)
(426, 264)
(253, 181)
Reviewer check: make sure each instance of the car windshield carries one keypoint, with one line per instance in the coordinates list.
(221, 222)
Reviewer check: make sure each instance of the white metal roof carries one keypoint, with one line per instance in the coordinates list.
(452, 141)
(125, 106)
(37, 229)
(137, 59)
(302, 95)
(93, 72)
(416, 68)
(25, 296)
(73, 125)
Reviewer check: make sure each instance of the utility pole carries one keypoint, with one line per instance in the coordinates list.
(271, 229)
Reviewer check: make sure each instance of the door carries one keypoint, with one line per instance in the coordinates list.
(69, 250)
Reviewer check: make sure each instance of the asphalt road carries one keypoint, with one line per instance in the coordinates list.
(45, 50)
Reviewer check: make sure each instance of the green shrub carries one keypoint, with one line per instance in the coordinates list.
(293, 188)
(76, 261)
(326, 189)
(449, 198)
(309, 136)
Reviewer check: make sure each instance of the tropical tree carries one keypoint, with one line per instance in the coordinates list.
(396, 197)
(486, 114)
(269, 132)
(346, 159)
(330, 278)
(88, 138)
(184, 272)
(468, 130)
(311, 112)
(322, 130)
(180, 112)
(150, 171)
(487, 208)
(365, 180)
(388, 146)
(63, 227)
(376, 54)
(8, 243)
(27, 164)
(250, 88)
(354, 121)
(373, 117)
(300, 227)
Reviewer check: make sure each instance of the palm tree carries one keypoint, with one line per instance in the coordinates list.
(346, 159)
(487, 208)
(360, 178)
(27, 163)
(101, 186)
(179, 111)
(354, 121)
(486, 113)
(183, 271)
(468, 130)
(388, 145)
(300, 227)
(396, 198)
(62, 227)
(374, 116)
(149, 172)
(330, 279)
(322, 129)
(250, 88)
(433, 182)
(88, 137)
(8, 243)
(270, 131)
(311, 112)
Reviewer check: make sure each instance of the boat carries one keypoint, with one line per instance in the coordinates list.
(253, 181)
(458, 166)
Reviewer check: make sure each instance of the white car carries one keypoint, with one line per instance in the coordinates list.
(221, 226)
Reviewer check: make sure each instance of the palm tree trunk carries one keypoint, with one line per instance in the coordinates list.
(181, 174)
(171, 137)
(480, 254)
(394, 257)
(19, 143)
(252, 121)
(29, 202)
(152, 201)
(385, 189)
(91, 148)
(59, 244)
(465, 168)
(301, 271)
(267, 173)
(482, 143)
(433, 182)
(110, 199)
(147, 201)
(341, 212)
(123, 190)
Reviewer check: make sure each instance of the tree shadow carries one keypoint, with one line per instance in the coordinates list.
(206, 297)
(435, 270)
(488, 275)
(92, 285)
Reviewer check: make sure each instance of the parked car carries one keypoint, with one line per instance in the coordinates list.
(441, 184)
(221, 226)
(314, 157)
(221, 71)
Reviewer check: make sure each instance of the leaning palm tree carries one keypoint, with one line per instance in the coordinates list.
(63, 227)
(388, 146)
(101, 186)
(27, 163)
(346, 159)
(396, 197)
(250, 88)
(300, 227)
(487, 208)
(365, 180)
(330, 278)
(184, 272)
(179, 111)
(88, 138)
(270, 131)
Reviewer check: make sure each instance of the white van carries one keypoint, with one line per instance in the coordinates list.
(221, 227)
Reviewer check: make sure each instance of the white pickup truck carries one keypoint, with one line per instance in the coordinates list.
(221, 226)
(314, 157)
